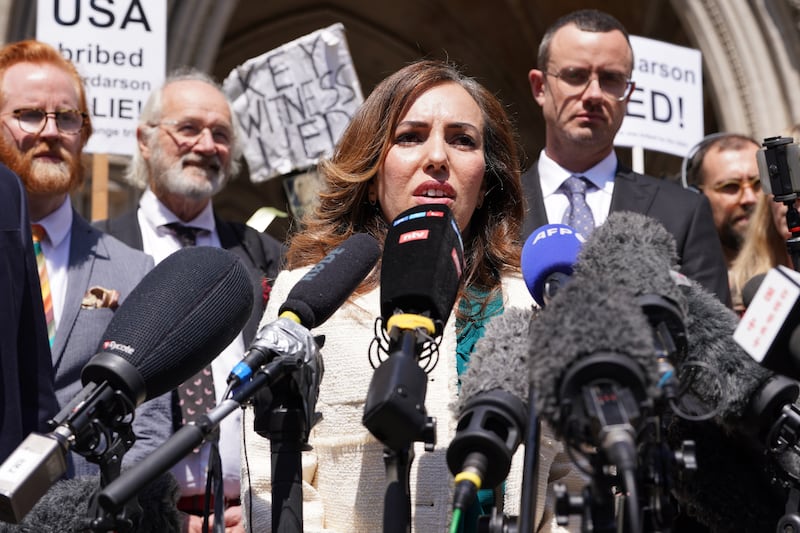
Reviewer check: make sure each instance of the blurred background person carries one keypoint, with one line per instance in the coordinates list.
(723, 167)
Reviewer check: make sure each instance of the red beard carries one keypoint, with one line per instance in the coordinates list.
(40, 177)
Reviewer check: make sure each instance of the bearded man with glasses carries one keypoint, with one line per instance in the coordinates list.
(84, 274)
(723, 167)
(583, 85)
(189, 147)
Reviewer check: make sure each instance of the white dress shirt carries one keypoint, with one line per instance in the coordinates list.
(601, 176)
(159, 242)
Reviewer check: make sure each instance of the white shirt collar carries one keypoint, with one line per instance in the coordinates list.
(157, 214)
(552, 175)
(58, 224)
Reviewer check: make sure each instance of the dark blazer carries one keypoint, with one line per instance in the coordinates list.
(685, 214)
(96, 259)
(262, 254)
(27, 397)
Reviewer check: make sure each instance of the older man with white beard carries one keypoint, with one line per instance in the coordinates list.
(189, 146)
(84, 274)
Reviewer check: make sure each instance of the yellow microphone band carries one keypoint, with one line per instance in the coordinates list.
(469, 476)
(409, 321)
(290, 315)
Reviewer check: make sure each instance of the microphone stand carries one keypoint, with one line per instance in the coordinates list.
(115, 495)
(499, 522)
(395, 414)
(287, 429)
(529, 473)
(103, 442)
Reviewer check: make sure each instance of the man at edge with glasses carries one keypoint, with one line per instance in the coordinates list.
(189, 147)
(583, 86)
(83, 273)
(723, 167)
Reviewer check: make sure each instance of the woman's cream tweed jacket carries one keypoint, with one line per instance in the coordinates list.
(344, 476)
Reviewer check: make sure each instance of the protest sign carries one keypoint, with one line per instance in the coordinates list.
(665, 111)
(120, 50)
(294, 102)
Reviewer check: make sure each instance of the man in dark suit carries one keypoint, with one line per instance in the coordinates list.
(88, 274)
(583, 86)
(189, 146)
(26, 373)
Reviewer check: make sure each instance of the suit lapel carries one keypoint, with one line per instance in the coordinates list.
(82, 255)
(237, 242)
(534, 203)
(632, 193)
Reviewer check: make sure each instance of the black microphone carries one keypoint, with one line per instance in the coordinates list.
(492, 407)
(316, 296)
(751, 287)
(284, 351)
(175, 321)
(421, 269)
(548, 258)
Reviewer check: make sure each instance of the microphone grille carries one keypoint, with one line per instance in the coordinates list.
(180, 316)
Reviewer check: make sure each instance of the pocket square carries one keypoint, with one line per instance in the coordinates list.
(100, 297)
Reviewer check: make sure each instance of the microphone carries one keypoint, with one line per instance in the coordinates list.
(421, 269)
(284, 346)
(751, 402)
(595, 373)
(768, 329)
(547, 260)
(146, 352)
(316, 296)
(492, 407)
(751, 287)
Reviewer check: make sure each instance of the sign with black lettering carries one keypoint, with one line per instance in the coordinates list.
(665, 111)
(120, 49)
(294, 102)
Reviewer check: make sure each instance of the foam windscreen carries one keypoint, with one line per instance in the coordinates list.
(176, 320)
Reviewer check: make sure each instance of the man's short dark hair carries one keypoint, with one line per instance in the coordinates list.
(586, 20)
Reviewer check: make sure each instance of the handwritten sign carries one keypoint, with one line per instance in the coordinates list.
(294, 102)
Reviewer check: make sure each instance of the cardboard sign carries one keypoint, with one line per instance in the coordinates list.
(294, 102)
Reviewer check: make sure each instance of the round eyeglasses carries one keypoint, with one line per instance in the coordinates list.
(33, 120)
(736, 187)
(187, 133)
(575, 80)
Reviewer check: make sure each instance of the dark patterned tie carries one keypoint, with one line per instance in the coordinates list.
(187, 235)
(578, 215)
(196, 395)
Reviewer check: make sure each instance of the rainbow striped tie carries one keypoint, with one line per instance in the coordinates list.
(39, 233)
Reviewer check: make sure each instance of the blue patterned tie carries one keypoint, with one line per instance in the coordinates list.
(578, 215)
